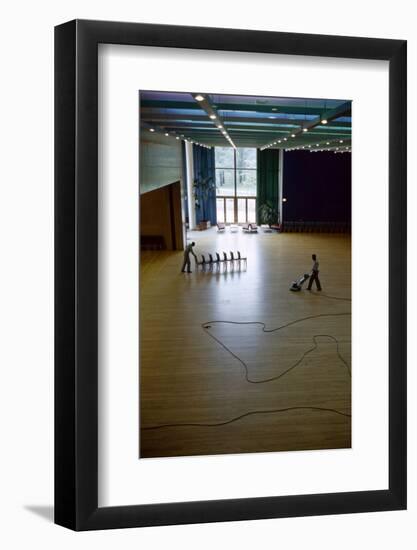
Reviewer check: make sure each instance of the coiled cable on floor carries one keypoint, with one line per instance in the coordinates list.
(293, 366)
(206, 326)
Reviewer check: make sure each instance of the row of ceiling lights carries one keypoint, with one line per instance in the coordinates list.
(182, 137)
(215, 120)
(337, 150)
(167, 134)
(293, 136)
(305, 129)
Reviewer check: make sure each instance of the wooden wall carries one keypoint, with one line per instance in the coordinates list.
(160, 214)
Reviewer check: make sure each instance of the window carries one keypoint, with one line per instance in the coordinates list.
(235, 184)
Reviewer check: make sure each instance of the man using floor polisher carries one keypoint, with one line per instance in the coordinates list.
(296, 286)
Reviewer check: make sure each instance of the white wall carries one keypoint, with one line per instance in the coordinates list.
(26, 292)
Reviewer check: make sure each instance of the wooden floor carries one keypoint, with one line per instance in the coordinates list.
(203, 378)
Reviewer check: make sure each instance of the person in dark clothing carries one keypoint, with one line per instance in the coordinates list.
(187, 260)
(314, 274)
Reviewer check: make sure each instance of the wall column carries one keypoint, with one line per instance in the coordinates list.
(280, 185)
(189, 172)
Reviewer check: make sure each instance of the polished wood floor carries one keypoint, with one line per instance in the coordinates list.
(206, 390)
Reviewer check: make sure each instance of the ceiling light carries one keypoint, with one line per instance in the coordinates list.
(274, 109)
(284, 200)
(292, 135)
(213, 117)
(177, 137)
(166, 134)
(199, 97)
(285, 139)
(305, 129)
(317, 144)
(151, 130)
(324, 121)
(327, 142)
(341, 141)
(272, 116)
(219, 126)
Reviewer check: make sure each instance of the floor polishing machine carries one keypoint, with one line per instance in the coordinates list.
(296, 286)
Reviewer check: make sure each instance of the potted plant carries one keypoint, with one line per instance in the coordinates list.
(268, 213)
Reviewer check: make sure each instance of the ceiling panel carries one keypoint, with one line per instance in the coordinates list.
(248, 121)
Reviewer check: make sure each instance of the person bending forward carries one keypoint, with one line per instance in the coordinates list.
(187, 260)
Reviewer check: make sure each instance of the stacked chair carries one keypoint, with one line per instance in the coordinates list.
(210, 262)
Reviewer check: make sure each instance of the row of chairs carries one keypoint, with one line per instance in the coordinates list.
(210, 262)
(315, 227)
(246, 227)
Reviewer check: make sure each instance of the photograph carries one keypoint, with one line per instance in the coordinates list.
(245, 273)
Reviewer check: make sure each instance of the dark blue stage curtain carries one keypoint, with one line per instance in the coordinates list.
(317, 186)
(204, 168)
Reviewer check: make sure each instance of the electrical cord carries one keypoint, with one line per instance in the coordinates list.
(208, 325)
(250, 413)
(334, 297)
(264, 329)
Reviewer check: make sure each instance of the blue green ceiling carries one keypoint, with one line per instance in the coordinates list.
(248, 121)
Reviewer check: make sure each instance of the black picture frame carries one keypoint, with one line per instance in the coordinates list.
(76, 272)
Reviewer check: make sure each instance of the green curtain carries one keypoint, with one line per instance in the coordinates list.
(267, 179)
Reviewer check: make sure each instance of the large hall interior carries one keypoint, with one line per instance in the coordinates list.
(239, 356)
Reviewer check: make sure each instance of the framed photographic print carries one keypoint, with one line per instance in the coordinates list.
(230, 275)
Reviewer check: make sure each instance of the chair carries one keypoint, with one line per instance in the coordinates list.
(233, 260)
(221, 227)
(242, 259)
(204, 262)
(225, 259)
(218, 260)
(214, 262)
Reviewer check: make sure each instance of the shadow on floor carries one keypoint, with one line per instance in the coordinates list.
(45, 512)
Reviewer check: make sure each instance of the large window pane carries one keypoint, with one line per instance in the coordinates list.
(246, 183)
(236, 180)
(241, 210)
(251, 210)
(220, 210)
(230, 210)
(246, 158)
(224, 157)
(225, 182)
